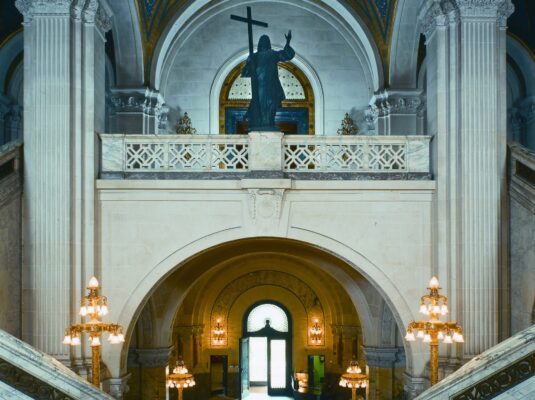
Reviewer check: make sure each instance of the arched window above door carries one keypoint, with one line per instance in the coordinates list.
(296, 115)
(256, 320)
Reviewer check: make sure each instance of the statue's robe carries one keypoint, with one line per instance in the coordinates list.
(262, 109)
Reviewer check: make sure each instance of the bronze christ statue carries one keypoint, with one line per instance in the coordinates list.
(262, 68)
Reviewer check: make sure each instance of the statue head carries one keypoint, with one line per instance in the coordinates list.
(264, 43)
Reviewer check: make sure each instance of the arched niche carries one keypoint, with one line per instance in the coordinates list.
(196, 54)
(297, 115)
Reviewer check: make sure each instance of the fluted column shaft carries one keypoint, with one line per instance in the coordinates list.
(59, 170)
(467, 112)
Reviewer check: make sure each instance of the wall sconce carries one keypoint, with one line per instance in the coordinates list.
(316, 333)
(219, 333)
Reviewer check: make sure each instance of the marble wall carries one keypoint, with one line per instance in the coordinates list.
(522, 265)
(10, 251)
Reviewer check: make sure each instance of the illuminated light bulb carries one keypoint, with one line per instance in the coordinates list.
(120, 338)
(90, 310)
(75, 341)
(420, 334)
(104, 310)
(444, 309)
(409, 337)
(95, 341)
(67, 339)
(363, 384)
(433, 283)
(436, 309)
(440, 335)
(459, 339)
(423, 308)
(93, 283)
(447, 339)
(83, 311)
(427, 338)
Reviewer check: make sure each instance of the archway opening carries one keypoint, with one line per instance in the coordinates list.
(197, 313)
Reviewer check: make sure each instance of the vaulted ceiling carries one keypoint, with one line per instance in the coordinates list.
(155, 15)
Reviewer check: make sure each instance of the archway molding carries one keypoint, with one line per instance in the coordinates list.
(127, 316)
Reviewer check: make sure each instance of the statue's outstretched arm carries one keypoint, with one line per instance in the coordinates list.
(287, 53)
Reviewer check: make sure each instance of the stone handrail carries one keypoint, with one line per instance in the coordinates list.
(264, 151)
(497, 370)
(38, 375)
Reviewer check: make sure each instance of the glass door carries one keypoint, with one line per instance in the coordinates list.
(244, 368)
(279, 375)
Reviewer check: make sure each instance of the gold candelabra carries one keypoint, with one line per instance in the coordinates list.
(180, 378)
(354, 379)
(94, 307)
(434, 305)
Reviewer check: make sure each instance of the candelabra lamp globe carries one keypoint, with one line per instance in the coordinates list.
(434, 306)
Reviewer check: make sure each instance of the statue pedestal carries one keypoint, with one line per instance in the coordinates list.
(265, 151)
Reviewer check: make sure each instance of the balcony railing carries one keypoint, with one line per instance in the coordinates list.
(263, 151)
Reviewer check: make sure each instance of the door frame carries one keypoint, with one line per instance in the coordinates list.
(271, 334)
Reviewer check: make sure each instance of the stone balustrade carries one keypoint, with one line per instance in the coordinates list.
(264, 151)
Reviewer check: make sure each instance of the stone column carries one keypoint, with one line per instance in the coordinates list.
(466, 96)
(147, 372)
(386, 365)
(60, 61)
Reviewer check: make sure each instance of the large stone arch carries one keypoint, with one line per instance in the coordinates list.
(191, 17)
(404, 45)
(127, 316)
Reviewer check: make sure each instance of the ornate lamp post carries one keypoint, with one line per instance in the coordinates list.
(434, 305)
(94, 307)
(180, 378)
(354, 379)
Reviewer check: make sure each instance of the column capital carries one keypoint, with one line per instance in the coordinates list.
(437, 13)
(486, 9)
(390, 101)
(31, 8)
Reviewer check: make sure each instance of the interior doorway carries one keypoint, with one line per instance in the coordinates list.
(218, 375)
(265, 351)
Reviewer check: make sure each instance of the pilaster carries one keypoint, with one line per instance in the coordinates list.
(466, 110)
(61, 48)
